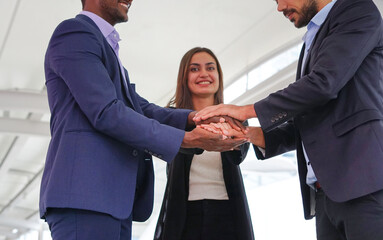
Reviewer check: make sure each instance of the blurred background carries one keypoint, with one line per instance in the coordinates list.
(257, 47)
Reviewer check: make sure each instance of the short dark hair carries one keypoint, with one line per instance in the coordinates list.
(83, 3)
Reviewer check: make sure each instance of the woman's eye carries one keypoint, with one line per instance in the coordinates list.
(193, 69)
(211, 68)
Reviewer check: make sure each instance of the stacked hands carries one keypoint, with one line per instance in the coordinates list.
(220, 128)
(225, 126)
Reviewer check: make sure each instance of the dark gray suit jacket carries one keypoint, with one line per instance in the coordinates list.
(336, 107)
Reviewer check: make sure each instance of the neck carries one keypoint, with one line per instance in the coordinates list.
(200, 103)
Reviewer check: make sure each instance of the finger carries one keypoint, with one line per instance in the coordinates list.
(218, 126)
(215, 126)
(226, 126)
(240, 125)
(221, 127)
(236, 134)
(246, 131)
(234, 123)
(210, 120)
(204, 111)
(212, 129)
(206, 115)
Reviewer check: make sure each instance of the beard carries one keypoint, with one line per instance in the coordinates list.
(112, 11)
(308, 11)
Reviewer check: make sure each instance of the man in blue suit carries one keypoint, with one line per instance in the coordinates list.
(332, 115)
(98, 175)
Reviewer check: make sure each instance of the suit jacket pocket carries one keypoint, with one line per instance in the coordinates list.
(350, 122)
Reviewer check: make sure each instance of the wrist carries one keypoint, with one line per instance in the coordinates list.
(250, 111)
(187, 142)
(255, 134)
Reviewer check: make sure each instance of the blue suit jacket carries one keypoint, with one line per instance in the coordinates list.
(102, 130)
(336, 107)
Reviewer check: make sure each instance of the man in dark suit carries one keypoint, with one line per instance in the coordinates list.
(98, 175)
(332, 115)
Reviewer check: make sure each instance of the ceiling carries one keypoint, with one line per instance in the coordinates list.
(241, 33)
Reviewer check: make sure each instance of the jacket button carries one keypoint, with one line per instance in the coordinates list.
(135, 153)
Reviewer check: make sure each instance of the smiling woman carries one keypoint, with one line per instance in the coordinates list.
(203, 79)
(201, 71)
(200, 182)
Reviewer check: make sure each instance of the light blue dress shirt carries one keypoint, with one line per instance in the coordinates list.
(312, 29)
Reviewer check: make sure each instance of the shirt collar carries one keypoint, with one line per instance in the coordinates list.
(321, 16)
(106, 28)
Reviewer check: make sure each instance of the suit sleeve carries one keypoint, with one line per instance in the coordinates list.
(75, 55)
(353, 33)
(170, 116)
(277, 141)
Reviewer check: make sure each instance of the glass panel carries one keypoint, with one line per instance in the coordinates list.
(272, 66)
(235, 90)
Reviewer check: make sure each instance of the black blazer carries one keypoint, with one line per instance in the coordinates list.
(172, 216)
(336, 107)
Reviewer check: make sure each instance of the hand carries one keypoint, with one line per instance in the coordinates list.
(201, 138)
(224, 129)
(234, 123)
(256, 136)
(190, 122)
(241, 113)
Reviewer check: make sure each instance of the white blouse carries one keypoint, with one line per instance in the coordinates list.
(206, 177)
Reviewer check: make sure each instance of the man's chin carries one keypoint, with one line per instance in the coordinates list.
(126, 18)
(123, 19)
(296, 23)
(299, 24)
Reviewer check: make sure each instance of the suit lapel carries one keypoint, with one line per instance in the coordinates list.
(314, 47)
(132, 93)
(300, 61)
(123, 83)
(126, 85)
